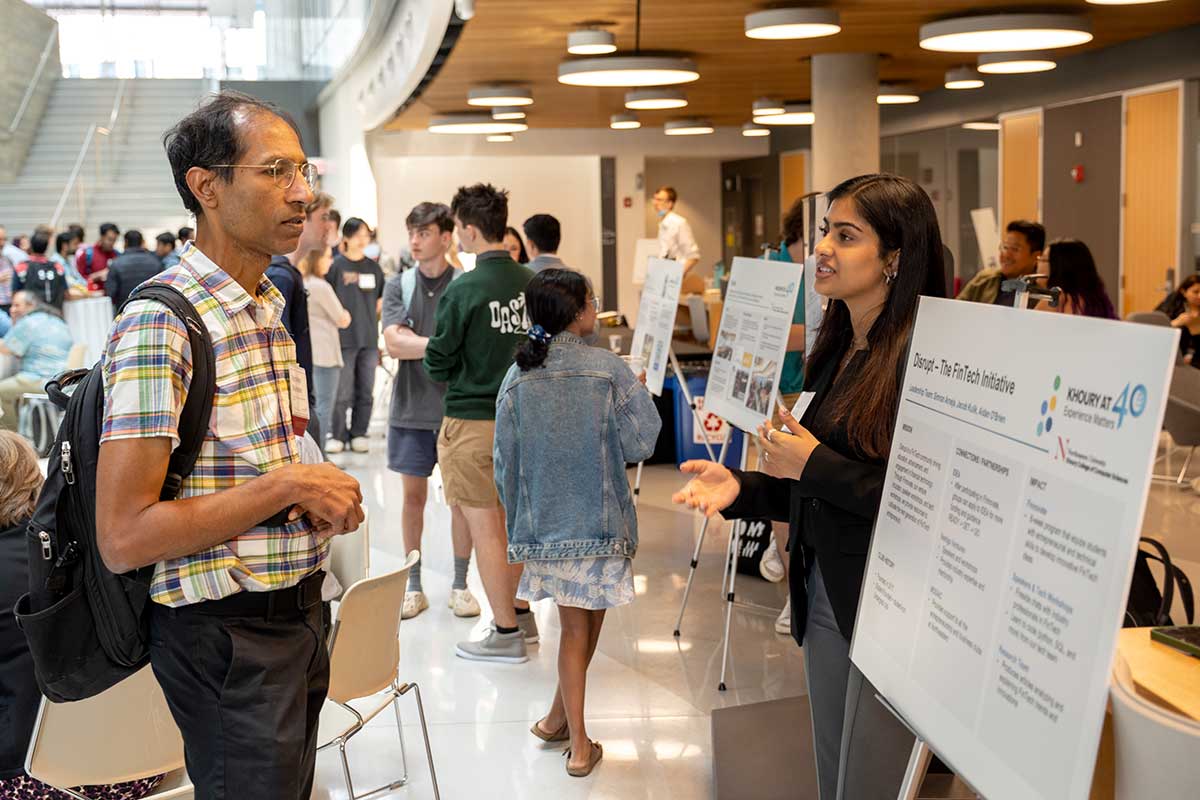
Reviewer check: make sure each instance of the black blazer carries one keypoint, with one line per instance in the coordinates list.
(832, 505)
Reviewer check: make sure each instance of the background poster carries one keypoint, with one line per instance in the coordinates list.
(748, 357)
(1009, 522)
(656, 319)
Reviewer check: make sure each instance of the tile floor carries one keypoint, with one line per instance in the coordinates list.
(650, 695)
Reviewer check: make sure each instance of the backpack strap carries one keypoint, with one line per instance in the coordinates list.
(1169, 570)
(197, 408)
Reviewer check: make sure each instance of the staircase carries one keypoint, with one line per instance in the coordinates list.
(124, 177)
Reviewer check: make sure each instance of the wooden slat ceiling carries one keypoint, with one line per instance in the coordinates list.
(523, 41)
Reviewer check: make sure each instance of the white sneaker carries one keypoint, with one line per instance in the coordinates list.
(783, 623)
(334, 446)
(771, 565)
(463, 603)
(360, 444)
(414, 603)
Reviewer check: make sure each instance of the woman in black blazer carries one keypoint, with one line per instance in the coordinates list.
(824, 473)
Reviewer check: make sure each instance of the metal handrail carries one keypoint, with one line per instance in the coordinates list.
(37, 77)
(83, 151)
(116, 109)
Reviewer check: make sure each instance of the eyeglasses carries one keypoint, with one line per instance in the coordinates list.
(283, 171)
(595, 301)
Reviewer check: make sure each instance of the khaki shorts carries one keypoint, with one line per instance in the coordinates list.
(464, 449)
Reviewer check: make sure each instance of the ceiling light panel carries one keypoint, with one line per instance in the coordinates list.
(591, 43)
(1015, 63)
(793, 114)
(688, 127)
(765, 107)
(792, 23)
(627, 71)
(500, 96)
(754, 129)
(655, 99)
(1006, 32)
(624, 122)
(474, 124)
(963, 78)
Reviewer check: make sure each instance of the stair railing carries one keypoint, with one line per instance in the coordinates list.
(34, 81)
(75, 181)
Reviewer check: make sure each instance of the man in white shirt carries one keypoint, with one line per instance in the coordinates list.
(675, 239)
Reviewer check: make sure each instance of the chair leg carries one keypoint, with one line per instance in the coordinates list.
(400, 733)
(346, 769)
(424, 733)
(1187, 462)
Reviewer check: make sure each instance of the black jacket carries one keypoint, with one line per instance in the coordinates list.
(128, 271)
(830, 509)
(290, 283)
(19, 695)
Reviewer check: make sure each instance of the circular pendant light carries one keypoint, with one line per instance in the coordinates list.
(891, 95)
(627, 71)
(981, 126)
(591, 43)
(624, 122)
(963, 78)
(1122, 2)
(500, 137)
(500, 95)
(655, 99)
(766, 107)
(793, 114)
(1015, 63)
(479, 123)
(792, 23)
(688, 127)
(508, 112)
(754, 129)
(1006, 32)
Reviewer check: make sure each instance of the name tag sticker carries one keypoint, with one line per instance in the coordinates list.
(366, 281)
(298, 385)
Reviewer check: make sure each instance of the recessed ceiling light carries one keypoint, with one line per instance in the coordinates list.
(793, 114)
(655, 99)
(500, 137)
(624, 122)
(500, 96)
(890, 95)
(792, 23)
(754, 129)
(963, 78)
(995, 33)
(1015, 63)
(981, 126)
(478, 123)
(688, 127)
(508, 112)
(765, 107)
(627, 71)
(590, 43)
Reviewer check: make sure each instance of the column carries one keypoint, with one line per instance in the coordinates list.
(845, 137)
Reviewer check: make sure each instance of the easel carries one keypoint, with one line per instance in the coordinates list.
(1024, 289)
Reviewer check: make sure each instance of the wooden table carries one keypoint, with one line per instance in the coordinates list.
(1162, 674)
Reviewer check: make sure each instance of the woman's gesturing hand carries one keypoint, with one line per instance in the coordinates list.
(785, 453)
(712, 490)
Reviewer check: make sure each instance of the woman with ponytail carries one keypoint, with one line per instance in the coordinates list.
(569, 417)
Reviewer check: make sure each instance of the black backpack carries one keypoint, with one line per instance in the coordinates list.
(46, 279)
(1148, 607)
(87, 627)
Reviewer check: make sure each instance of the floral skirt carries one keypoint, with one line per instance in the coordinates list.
(26, 788)
(592, 583)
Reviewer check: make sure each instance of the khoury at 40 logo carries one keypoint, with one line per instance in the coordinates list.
(1046, 423)
(1098, 408)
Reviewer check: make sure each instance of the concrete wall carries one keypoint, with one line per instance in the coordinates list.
(26, 31)
(298, 98)
(698, 184)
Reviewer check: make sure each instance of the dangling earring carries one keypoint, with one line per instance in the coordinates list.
(889, 277)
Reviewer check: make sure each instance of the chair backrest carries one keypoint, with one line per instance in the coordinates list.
(365, 652)
(123, 734)
(1155, 750)
(1149, 318)
(350, 555)
(699, 315)
(1182, 417)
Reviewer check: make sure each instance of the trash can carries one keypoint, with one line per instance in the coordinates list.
(688, 443)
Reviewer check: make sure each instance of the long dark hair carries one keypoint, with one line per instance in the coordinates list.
(1073, 270)
(903, 218)
(1176, 303)
(523, 258)
(553, 298)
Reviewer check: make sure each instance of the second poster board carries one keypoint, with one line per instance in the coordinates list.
(656, 319)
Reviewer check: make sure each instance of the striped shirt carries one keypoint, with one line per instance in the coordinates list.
(147, 372)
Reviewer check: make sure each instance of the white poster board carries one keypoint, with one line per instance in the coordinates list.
(656, 319)
(987, 236)
(643, 251)
(814, 306)
(1001, 557)
(755, 322)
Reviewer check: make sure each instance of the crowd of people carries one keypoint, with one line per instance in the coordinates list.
(295, 300)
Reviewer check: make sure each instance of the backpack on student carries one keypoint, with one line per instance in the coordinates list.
(46, 279)
(86, 626)
(1148, 606)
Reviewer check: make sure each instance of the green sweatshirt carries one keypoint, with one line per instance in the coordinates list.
(481, 319)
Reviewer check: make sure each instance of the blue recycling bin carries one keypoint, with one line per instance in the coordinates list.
(685, 448)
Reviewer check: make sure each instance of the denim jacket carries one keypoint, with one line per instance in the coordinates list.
(564, 433)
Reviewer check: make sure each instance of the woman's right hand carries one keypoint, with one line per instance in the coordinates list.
(712, 490)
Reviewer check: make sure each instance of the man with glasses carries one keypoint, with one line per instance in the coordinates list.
(1023, 243)
(480, 321)
(675, 237)
(237, 629)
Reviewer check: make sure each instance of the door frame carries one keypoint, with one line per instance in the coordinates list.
(1179, 86)
(1023, 112)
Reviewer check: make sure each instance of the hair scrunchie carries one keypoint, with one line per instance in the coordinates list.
(539, 334)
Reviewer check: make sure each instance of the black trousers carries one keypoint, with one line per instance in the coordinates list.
(356, 392)
(245, 685)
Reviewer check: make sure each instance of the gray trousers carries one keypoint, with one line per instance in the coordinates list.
(861, 749)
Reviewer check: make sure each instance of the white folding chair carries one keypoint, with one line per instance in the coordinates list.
(364, 662)
(350, 556)
(123, 734)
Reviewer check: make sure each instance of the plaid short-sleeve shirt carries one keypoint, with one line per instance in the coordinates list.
(147, 373)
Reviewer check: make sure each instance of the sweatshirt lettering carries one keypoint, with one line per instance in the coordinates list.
(509, 317)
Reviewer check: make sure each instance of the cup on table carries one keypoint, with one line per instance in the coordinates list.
(614, 342)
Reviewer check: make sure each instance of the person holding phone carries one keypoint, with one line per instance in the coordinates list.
(824, 473)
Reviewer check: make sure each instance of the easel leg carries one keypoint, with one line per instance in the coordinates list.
(914, 776)
(735, 549)
(696, 555)
(637, 483)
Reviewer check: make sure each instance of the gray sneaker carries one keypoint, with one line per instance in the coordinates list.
(528, 626)
(506, 648)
